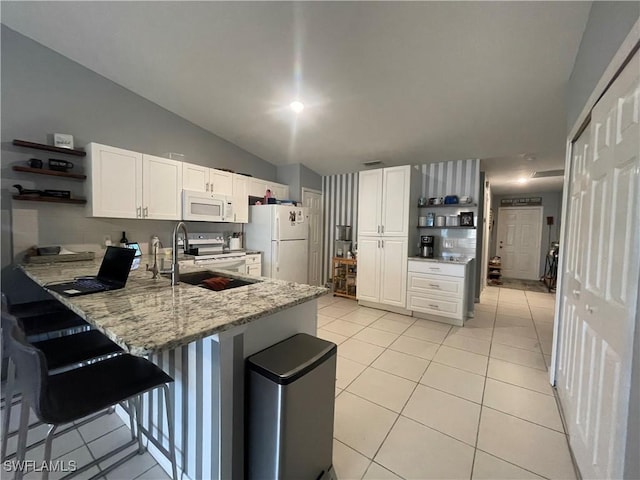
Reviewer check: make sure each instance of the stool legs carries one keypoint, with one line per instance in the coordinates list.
(172, 446)
(22, 437)
(47, 450)
(8, 400)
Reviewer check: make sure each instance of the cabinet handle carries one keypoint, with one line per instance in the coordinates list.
(382, 228)
(206, 187)
(435, 307)
(434, 268)
(138, 212)
(378, 229)
(382, 241)
(146, 212)
(432, 285)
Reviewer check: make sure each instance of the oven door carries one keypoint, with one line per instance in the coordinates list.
(231, 264)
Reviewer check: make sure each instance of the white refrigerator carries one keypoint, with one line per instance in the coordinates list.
(281, 233)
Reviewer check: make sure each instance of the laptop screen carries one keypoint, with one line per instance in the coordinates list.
(116, 265)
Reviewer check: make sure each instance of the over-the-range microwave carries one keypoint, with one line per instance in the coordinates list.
(206, 207)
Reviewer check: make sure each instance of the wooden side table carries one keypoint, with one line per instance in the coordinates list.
(344, 277)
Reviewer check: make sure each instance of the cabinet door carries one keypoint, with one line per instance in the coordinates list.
(240, 198)
(221, 182)
(257, 187)
(369, 200)
(281, 192)
(161, 188)
(395, 201)
(368, 287)
(114, 183)
(195, 177)
(254, 270)
(393, 271)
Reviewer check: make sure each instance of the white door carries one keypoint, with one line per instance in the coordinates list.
(519, 236)
(368, 279)
(289, 260)
(161, 188)
(599, 289)
(393, 271)
(115, 182)
(395, 201)
(195, 177)
(290, 223)
(240, 198)
(221, 182)
(369, 201)
(312, 200)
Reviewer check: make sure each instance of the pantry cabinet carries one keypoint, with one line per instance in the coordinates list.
(205, 179)
(240, 198)
(382, 270)
(125, 184)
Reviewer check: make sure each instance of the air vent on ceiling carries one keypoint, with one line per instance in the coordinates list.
(548, 173)
(372, 163)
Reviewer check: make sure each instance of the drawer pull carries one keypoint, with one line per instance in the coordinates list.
(434, 306)
(433, 285)
(434, 268)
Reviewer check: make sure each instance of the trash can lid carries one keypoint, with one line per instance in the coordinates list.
(292, 358)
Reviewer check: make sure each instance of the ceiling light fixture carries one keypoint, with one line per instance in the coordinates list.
(522, 180)
(296, 106)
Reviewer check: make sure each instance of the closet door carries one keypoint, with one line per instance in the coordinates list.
(599, 295)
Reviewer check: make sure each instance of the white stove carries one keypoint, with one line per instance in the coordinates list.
(208, 250)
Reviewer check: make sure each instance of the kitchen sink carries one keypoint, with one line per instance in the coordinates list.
(214, 281)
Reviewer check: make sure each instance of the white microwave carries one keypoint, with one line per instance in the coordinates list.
(206, 207)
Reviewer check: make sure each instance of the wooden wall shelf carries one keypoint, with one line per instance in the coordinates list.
(33, 198)
(44, 171)
(49, 148)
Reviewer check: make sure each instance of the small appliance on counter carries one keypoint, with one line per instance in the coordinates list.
(343, 240)
(426, 246)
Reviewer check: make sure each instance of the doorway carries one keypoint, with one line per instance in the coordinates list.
(312, 199)
(519, 237)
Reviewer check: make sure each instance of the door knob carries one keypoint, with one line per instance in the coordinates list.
(576, 293)
(591, 308)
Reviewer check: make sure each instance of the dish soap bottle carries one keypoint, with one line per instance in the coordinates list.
(123, 240)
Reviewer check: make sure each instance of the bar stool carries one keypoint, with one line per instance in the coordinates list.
(62, 352)
(56, 399)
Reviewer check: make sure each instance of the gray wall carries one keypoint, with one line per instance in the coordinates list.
(552, 207)
(608, 25)
(44, 92)
(298, 176)
(310, 179)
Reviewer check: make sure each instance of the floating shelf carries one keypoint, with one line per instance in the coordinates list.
(442, 228)
(451, 205)
(33, 198)
(44, 171)
(49, 148)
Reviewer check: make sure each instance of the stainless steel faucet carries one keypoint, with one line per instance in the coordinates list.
(175, 268)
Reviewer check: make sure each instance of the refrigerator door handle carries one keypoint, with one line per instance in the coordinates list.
(277, 227)
(277, 256)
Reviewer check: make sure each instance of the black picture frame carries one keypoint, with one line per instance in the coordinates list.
(466, 219)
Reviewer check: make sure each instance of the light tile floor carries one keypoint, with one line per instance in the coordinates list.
(415, 399)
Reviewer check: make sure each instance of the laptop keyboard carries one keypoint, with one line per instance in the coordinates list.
(89, 283)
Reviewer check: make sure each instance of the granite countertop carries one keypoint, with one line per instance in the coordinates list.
(150, 315)
(451, 260)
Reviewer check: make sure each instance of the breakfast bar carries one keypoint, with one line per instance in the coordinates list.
(201, 338)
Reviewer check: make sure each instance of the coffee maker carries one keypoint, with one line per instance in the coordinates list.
(426, 246)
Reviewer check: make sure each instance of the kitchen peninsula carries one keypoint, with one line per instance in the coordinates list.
(201, 338)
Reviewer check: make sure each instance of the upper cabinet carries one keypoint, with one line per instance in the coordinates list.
(384, 201)
(205, 179)
(125, 184)
(240, 198)
(258, 188)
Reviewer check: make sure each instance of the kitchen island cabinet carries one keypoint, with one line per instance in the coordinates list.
(201, 338)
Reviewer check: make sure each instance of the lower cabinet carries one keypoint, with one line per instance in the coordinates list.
(382, 270)
(438, 291)
(254, 264)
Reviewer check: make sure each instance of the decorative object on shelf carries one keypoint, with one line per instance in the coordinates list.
(422, 221)
(453, 221)
(521, 202)
(451, 200)
(59, 165)
(495, 271)
(430, 219)
(344, 277)
(42, 193)
(63, 140)
(422, 201)
(49, 148)
(174, 156)
(466, 219)
(435, 201)
(35, 163)
(440, 221)
(44, 171)
(465, 199)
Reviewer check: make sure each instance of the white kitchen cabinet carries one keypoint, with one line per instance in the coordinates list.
(205, 179)
(257, 187)
(385, 199)
(382, 270)
(254, 264)
(439, 291)
(125, 184)
(279, 191)
(240, 198)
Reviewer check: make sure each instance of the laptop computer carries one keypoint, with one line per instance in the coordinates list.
(112, 275)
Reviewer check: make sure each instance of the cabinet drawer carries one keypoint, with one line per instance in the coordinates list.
(438, 268)
(435, 284)
(252, 259)
(436, 305)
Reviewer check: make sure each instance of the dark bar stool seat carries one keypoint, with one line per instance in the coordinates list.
(71, 395)
(51, 322)
(40, 307)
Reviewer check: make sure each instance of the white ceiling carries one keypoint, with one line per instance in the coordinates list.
(410, 82)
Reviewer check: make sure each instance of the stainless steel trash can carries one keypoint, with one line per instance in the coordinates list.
(290, 408)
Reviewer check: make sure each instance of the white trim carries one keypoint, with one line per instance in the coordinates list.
(616, 63)
(304, 190)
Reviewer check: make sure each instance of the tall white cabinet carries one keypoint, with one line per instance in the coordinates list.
(126, 184)
(387, 200)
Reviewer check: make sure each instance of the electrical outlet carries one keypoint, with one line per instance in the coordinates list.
(106, 241)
